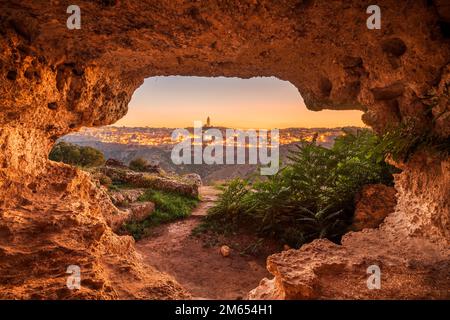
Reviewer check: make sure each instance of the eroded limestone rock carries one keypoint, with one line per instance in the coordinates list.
(373, 204)
(54, 81)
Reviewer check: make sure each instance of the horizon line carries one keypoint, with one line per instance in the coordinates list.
(227, 127)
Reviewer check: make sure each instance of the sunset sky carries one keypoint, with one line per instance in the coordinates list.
(268, 102)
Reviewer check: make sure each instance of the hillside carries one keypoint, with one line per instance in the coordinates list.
(160, 151)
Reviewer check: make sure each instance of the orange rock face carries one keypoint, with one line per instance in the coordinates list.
(374, 203)
(56, 219)
(54, 80)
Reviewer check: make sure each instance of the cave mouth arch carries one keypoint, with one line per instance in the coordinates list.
(271, 96)
(87, 79)
(267, 102)
(256, 103)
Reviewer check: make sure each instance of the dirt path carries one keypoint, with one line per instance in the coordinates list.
(201, 270)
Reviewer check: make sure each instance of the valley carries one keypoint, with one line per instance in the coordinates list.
(155, 145)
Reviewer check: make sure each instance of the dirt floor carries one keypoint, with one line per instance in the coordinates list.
(196, 262)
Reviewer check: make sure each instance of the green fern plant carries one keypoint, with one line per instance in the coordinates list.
(311, 197)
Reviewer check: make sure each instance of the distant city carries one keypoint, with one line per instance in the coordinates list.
(155, 145)
(148, 136)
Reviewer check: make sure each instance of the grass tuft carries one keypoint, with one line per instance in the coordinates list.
(168, 207)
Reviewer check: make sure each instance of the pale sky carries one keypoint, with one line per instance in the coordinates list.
(263, 102)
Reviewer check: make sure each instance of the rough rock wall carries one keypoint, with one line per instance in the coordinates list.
(411, 248)
(54, 80)
(373, 204)
(56, 219)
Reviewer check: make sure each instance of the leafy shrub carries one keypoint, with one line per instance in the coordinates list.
(405, 139)
(168, 207)
(76, 155)
(312, 197)
(228, 211)
(138, 164)
(105, 180)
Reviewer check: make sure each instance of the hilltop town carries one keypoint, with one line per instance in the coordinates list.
(148, 136)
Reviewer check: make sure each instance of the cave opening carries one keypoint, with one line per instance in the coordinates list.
(168, 226)
(56, 80)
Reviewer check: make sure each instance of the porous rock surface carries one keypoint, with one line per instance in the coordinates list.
(122, 197)
(372, 204)
(57, 219)
(54, 80)
(154, 181)
(133, 212)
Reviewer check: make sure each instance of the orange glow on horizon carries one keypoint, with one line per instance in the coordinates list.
(257, 103)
